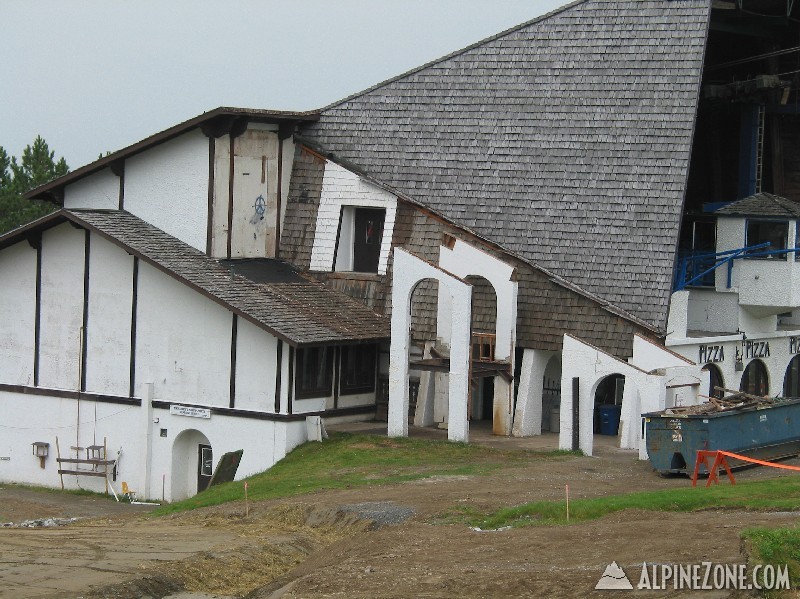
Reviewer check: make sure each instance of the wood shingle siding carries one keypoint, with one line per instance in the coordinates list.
(565, 140)
(300, 221)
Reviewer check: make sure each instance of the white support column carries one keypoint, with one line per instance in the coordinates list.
(460, 346)
(503, 405)
(398, 358)
(528, 415)
(146, 411)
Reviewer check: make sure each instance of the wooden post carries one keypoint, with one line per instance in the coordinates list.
(58, 460)
(576, 422)
(105, 459)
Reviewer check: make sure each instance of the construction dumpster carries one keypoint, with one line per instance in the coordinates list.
(766, 432)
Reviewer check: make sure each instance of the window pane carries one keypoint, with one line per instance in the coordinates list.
(764, 231)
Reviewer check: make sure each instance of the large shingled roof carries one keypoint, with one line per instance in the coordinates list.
(298, 310)
(565, 140)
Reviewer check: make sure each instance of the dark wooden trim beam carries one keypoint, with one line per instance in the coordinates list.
(37, 323)
(234, 339)
(278, 375)
(85, 323)
(121, 201)
(134, 309)
(212, 145)
(216, 410)
(576, 421)
(66, 394)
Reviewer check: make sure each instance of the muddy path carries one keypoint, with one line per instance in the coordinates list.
(318, 545)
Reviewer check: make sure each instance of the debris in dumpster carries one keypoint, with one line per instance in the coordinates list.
(736, 400)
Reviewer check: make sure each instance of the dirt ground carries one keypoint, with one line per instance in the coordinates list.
(316, 546)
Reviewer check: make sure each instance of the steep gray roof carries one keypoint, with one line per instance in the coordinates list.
(762, 204)
(565, 140)
(296, 309)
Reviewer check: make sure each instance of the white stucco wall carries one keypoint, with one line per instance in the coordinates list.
(712, 311)
(17, 313)
(167, 186)
(648, 355)
(341, 187)
(37, 418)
(182, 341)
(776, 363)
(61, 307)
(97, 191)
(256, 368)
(109, 323)
(124, 427)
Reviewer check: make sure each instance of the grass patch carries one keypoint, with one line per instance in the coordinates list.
(776, 546)
(56, 490)
(350, 460)
(776, 494)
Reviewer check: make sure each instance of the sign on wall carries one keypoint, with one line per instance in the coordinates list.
(190, 411)
(711, 353)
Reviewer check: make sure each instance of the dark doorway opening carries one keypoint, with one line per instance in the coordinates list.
(368, 234)
(205, 466)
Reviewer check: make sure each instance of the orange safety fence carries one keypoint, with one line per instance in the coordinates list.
(719, 460)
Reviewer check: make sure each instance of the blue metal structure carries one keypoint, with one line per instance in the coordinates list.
(695, 269)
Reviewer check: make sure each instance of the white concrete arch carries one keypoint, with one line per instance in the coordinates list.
(408, 271)
(465, 260)
(645, 390)
(185, 463)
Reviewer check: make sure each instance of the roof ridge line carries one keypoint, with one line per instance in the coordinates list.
(455, 53)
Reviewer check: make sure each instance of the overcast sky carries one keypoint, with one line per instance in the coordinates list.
(92, 76)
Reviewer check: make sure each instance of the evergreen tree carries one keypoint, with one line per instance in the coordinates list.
(38, 166)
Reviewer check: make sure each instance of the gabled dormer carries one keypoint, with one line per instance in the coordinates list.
(217, 182)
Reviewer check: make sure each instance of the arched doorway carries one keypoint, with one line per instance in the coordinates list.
(715, 380)
(192, 464)
(791, 382)
(608, 404)
(484, 327)
(755, 379)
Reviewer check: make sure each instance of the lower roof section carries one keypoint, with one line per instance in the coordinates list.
(296, 309)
